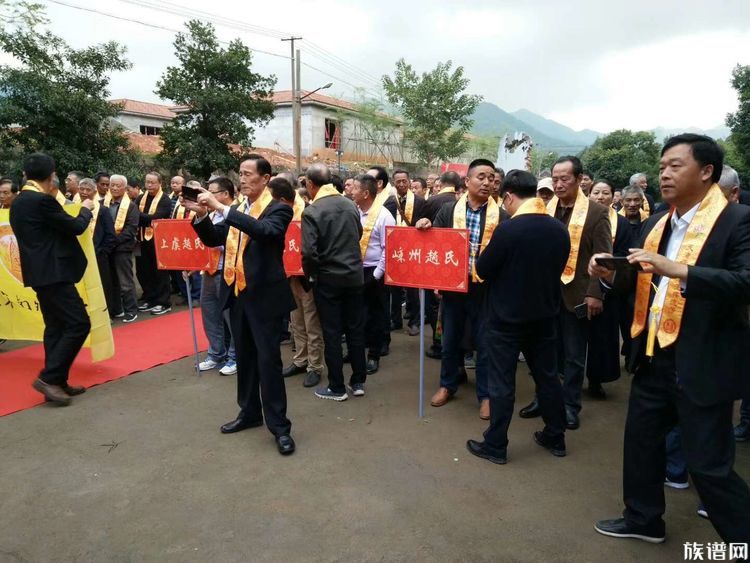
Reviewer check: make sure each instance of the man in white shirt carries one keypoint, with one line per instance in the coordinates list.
(375, 218)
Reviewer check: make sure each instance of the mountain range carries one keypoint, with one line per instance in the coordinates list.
(491, 121)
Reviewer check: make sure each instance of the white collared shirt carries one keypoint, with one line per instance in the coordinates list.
(375, 253)
(679, 230)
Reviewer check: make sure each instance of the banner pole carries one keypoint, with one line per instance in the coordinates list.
(421, 353)
(192, 324)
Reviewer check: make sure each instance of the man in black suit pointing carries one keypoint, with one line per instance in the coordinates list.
(52, 261)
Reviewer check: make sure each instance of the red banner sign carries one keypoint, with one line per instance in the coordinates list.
(432, 259)
(293, 250)
(178, 246)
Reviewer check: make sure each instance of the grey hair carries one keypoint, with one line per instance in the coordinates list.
(89, 182)
(635, 177)
(118, 178)
(632, 190)
(729, 178)
(190, 184)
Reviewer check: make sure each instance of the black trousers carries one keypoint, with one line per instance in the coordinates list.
(376, 321)
(537, 341)
(341, 311)
(396, 297)
(123, 283)
(261, 392)
(657, 404)
(105, 274)
(154, 282)
(574, 334)
(66, 326)
(603, 357)
(412, 305)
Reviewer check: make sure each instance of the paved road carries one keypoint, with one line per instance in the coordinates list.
(136, 470)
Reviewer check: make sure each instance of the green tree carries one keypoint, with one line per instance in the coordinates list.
(739, 121)
(483, 146)
(222, 101)
(542, 159)
(55, 97)
(622, 153)
(435, 107)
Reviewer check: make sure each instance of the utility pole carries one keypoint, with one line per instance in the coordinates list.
(298, 117)
(295, 99)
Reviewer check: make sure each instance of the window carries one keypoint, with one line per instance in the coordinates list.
(333, 135)
(149, 130)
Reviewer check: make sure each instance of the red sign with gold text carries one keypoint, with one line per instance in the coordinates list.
(431, 259)
(293, 250)
(178, 246)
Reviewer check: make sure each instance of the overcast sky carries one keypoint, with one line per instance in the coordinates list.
(594, 64)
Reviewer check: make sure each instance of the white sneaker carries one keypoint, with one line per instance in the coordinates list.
(230, 368)
(207, 364)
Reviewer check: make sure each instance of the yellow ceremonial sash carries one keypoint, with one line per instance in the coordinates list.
(179, 212)
(76, 198)
(298, 207)
(325, 191)
(60, 198)
(613, 223)
(575, 230)
(646, 206)
(32, 186)
(674, 303)
(94, 215)
(643, 214)
(122, 213)
(234, 249)
(532, 206)
(448, 190)
(491, 221)
(107, 199)
(372, 217)
(148, 232)
(405, 215)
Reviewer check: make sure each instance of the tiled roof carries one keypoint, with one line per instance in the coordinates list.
(285, 97)
(144, 108)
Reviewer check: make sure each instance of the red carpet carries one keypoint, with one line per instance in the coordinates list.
(138, 347)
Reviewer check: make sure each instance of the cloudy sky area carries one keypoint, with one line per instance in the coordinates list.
(595, 64)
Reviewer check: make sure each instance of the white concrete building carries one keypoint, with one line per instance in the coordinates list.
(143, 117)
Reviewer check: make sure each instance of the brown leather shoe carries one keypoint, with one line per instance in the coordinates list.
(441, 397)
(74, 390)
(484, 409)
(53, 393)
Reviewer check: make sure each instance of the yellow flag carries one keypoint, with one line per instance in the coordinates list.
(20, 316)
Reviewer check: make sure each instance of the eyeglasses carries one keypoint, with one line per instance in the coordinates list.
(216, 192)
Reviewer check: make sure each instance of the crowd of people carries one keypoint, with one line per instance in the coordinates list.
(552, 282)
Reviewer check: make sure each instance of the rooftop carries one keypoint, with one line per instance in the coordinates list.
(135, 107)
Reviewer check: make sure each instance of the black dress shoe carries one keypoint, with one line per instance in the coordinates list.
(385, 350)
(239, 424)
(571, 419)
(373, 364)
(434, 352)
(619, 528)
(478, 449)
(397, 326)
(596, 392)
(285, 444)
(531, 410)
(293, 370)
(312, 378)
(555, 445)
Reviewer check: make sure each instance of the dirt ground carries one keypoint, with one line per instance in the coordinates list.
(136, 470)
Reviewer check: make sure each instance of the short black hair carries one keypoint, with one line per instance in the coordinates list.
(587, 173)
(77, 173)
(154, 173)
(101, 174)
(224, 183)
(262, 166)
(605, 181)
(422, 182)
(705, 150)
(281, 189)
(382, 174)
(519, 182)
(500, 171)
(38, 166)
(13, 185)
(368, 183)
(134, 183)
(451, 178)
(401, 171)
(574, 160)
(338, 183)
(480, 162)
(319, 175)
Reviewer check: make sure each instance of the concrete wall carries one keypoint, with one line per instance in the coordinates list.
(134, 122)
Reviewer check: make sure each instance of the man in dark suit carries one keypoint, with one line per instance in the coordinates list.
(256, 292)
(52, 261)
(521, 267)
(590, 232)
(125, 217)
(688, 347)
(153, 204)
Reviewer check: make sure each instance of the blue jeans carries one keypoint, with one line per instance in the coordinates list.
(195, 285)
(458, 309)
(216, 321)
(676, 464)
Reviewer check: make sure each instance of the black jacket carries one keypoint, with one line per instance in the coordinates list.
(163, 211)
(104, 233)
(434, 204)
(125, 241)
(522, 266)
(710, 350)
(267, 291)
(331, 230)
(416, 212)
(47, 243)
